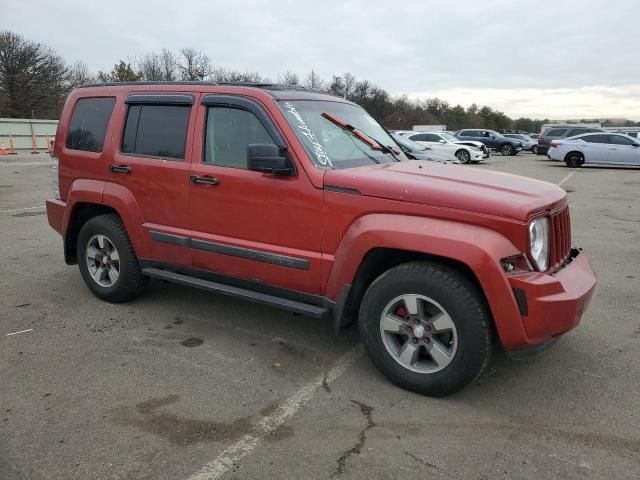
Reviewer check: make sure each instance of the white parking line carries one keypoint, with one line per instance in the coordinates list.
(225, 460)
(24, 164)
(567, 177)
(22, 209)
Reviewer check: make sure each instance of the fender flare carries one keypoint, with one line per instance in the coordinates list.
(119, 198)
(479, 248)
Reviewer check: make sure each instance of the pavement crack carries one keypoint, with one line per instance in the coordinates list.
(341, 464)
(622, 219)
(419, 460)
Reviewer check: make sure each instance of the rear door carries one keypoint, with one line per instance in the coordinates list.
(258, 227)
(597, 148)
(152, 162)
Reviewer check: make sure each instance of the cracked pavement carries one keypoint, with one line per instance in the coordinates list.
(157, 388)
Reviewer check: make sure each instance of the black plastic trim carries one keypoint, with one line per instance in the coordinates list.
(237, 292)
(251, 254)
(159, 99)
(244, 103)
(530, 352)
(170, 238)
(334, 188)
(521, 300)
(338, 310)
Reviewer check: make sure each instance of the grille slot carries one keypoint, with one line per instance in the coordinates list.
(560, 238)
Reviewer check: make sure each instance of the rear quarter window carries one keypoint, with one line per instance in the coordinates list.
(88, 124)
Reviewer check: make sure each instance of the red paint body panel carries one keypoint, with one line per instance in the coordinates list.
(467, 215)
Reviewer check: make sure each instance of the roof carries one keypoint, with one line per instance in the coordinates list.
(277, 91)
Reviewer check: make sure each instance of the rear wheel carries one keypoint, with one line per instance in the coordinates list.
(507, 149)
(534, 150)
(574, 159)
(463, 156)
(107, 261)
(426, 328)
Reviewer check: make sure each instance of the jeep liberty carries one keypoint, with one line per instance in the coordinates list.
(301, 200)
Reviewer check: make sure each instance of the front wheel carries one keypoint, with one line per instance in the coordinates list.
(507, 149)
(107, 261)
(425, 327)
(534, 150)
(463, 156)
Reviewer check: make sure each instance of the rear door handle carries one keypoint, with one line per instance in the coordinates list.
(119, 168)
(203, 180)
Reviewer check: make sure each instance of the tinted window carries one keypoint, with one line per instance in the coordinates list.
(601, 138)
(555, 132)
(420, 137)
(577, 131)
(89, 124)
(156, 130)
(430, 137)
(620, 140)
(468, 133)
(229, 132)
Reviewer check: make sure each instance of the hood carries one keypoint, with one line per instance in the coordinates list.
(451, 186)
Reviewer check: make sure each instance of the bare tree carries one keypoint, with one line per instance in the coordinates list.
(313, 80)
(169, 65)
(78, 74)
(194, 65)
(32, 78)
(349, 83)
(223, 75)
(288, 78)
(150, 67)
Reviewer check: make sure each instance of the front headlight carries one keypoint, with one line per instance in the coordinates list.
(539, 242)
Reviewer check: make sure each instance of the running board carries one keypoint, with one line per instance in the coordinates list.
(236, 292)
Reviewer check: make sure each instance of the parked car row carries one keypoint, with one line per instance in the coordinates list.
(443, 143)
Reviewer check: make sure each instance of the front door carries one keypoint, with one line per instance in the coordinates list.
(151, 161)
(250, 225)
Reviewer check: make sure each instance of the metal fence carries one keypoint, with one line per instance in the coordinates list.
(22, 131)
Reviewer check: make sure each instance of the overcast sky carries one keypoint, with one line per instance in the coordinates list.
(543, 58)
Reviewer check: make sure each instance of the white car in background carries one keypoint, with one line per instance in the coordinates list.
(601, 148)
(444, 142)
(528, 143)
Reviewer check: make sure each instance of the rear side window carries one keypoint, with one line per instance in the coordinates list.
(599, 138)
(468, 133)
(156, 130)
(420, 137)
(555, 132)
(89, 124)
(577, 131)
(620, 140)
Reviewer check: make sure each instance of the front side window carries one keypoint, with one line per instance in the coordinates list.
(620, 140)
(331, 146)
(229, 132)
(156, 130)
(89, 124)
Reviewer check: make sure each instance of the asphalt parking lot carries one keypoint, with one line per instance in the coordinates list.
(182, 384)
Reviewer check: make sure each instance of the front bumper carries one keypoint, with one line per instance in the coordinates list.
(552, 304)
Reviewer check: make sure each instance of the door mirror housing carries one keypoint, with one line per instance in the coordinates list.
(441, 141)
(268, 158)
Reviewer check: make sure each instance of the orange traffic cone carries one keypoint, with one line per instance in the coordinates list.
(3, 149)
(12, 150)
(34, 148)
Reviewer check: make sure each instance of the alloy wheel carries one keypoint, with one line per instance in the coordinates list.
(418, 333)
(103, 261)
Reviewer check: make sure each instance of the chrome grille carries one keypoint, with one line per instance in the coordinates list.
(560, 238)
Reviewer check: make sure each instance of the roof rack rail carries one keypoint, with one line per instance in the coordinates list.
(146, 82)
(265, 85)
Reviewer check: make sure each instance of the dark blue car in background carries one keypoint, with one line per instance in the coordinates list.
(492, 139)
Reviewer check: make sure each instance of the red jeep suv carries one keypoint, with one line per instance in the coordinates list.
(302, 201)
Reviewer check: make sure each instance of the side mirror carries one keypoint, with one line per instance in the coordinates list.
(268, 158)
(441, 141)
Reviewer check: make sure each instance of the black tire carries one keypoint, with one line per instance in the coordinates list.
(463, 155)
(574, 159)
(130, 282)
(462, 302)
(534, 150)
(506, 149)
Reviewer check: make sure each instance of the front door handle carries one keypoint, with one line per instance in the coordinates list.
(119, 168)
(203, 180)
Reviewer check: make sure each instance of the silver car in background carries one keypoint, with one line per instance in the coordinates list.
(528, 143)
(596, 149)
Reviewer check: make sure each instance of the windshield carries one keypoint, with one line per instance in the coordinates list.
(408, 144)
(448, 137)
(329, 145)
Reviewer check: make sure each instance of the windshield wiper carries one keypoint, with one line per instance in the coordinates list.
(364, 137)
